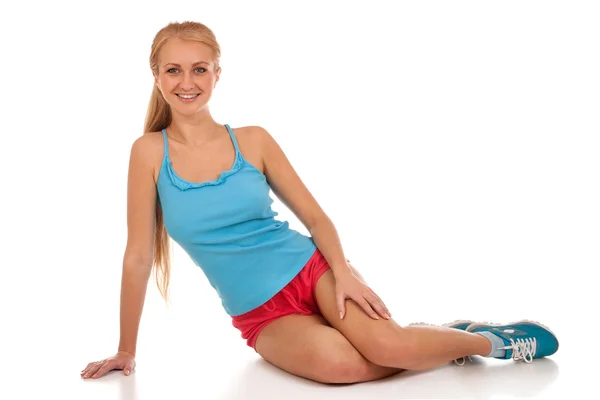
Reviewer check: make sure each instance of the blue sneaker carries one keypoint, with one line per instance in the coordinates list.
(525, 340)
(461, 324)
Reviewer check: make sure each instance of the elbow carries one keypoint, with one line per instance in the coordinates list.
(323, 219)
(137, 264)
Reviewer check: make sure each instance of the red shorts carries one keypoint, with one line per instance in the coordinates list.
(296, 297)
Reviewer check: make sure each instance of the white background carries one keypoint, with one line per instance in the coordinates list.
(454, 145)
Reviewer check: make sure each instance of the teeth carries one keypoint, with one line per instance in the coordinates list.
(187, 96)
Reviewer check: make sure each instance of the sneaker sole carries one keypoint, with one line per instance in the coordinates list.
(458, 322)
(446, 325)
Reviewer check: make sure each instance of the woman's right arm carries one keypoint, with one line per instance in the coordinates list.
(138, 258)
(137, 261)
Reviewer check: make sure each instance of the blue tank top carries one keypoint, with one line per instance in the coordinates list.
(228, 229)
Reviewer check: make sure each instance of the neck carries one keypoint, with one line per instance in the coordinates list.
(194, 132)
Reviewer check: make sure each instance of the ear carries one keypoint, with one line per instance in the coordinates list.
(218, 74)
(156, 80)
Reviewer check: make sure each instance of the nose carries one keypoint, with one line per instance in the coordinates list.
(187, 82)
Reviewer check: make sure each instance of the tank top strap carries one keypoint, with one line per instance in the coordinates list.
(166, 142)
(166, 145)
(235, 144)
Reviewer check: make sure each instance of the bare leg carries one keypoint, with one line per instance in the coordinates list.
(306, 346)
(433, 345)
(386, 343)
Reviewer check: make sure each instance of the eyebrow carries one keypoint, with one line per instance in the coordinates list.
(177, 65)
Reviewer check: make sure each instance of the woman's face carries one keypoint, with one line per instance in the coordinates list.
(186, 69)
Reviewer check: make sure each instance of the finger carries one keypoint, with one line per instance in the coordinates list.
(367, 307)
(387, 310)
(340, 304)
(129, 367)
(83, 371)
(92, 370)
(382, 306)
(376, 303)
(379, 308)
(87, 368)
(380, 302)
(104, 368)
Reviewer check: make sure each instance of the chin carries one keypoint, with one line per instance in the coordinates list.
(189, 111)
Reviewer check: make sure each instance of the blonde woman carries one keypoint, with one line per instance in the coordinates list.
(206, 186)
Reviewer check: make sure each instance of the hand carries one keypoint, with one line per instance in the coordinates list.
(122, 360)
(349, 285)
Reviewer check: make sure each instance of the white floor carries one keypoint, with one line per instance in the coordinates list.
(174, 363)
(190, 349)
(255, 379)
(454, 145)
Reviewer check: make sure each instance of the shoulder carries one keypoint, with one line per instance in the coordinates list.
(249, 141)
(148, 149)
(257, 135)
(271, 153)
(149, 144)
(251, 132)
(252, 138)
(258, 138)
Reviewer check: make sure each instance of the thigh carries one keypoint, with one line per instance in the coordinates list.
(373, 338)
(307, 346)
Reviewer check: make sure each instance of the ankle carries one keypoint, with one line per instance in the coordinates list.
(495, 343)
(485, 345)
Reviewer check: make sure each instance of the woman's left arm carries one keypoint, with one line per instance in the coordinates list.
(349, 282)
(289, 188)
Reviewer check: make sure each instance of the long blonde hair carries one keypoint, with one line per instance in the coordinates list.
(158, 117)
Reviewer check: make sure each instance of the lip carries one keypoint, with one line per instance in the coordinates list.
(187, 100)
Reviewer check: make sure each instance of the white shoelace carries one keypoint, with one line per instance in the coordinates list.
(523, 349)
(464, 359)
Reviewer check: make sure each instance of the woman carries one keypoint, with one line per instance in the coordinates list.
(207, 186)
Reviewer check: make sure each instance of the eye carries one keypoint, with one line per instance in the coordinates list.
(171, 69)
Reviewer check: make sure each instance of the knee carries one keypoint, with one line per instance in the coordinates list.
(391, 350)
(343, 370)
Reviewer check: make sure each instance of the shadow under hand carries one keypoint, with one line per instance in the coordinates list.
(127, 386)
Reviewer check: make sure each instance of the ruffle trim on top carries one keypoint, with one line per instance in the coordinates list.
(185, 185)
